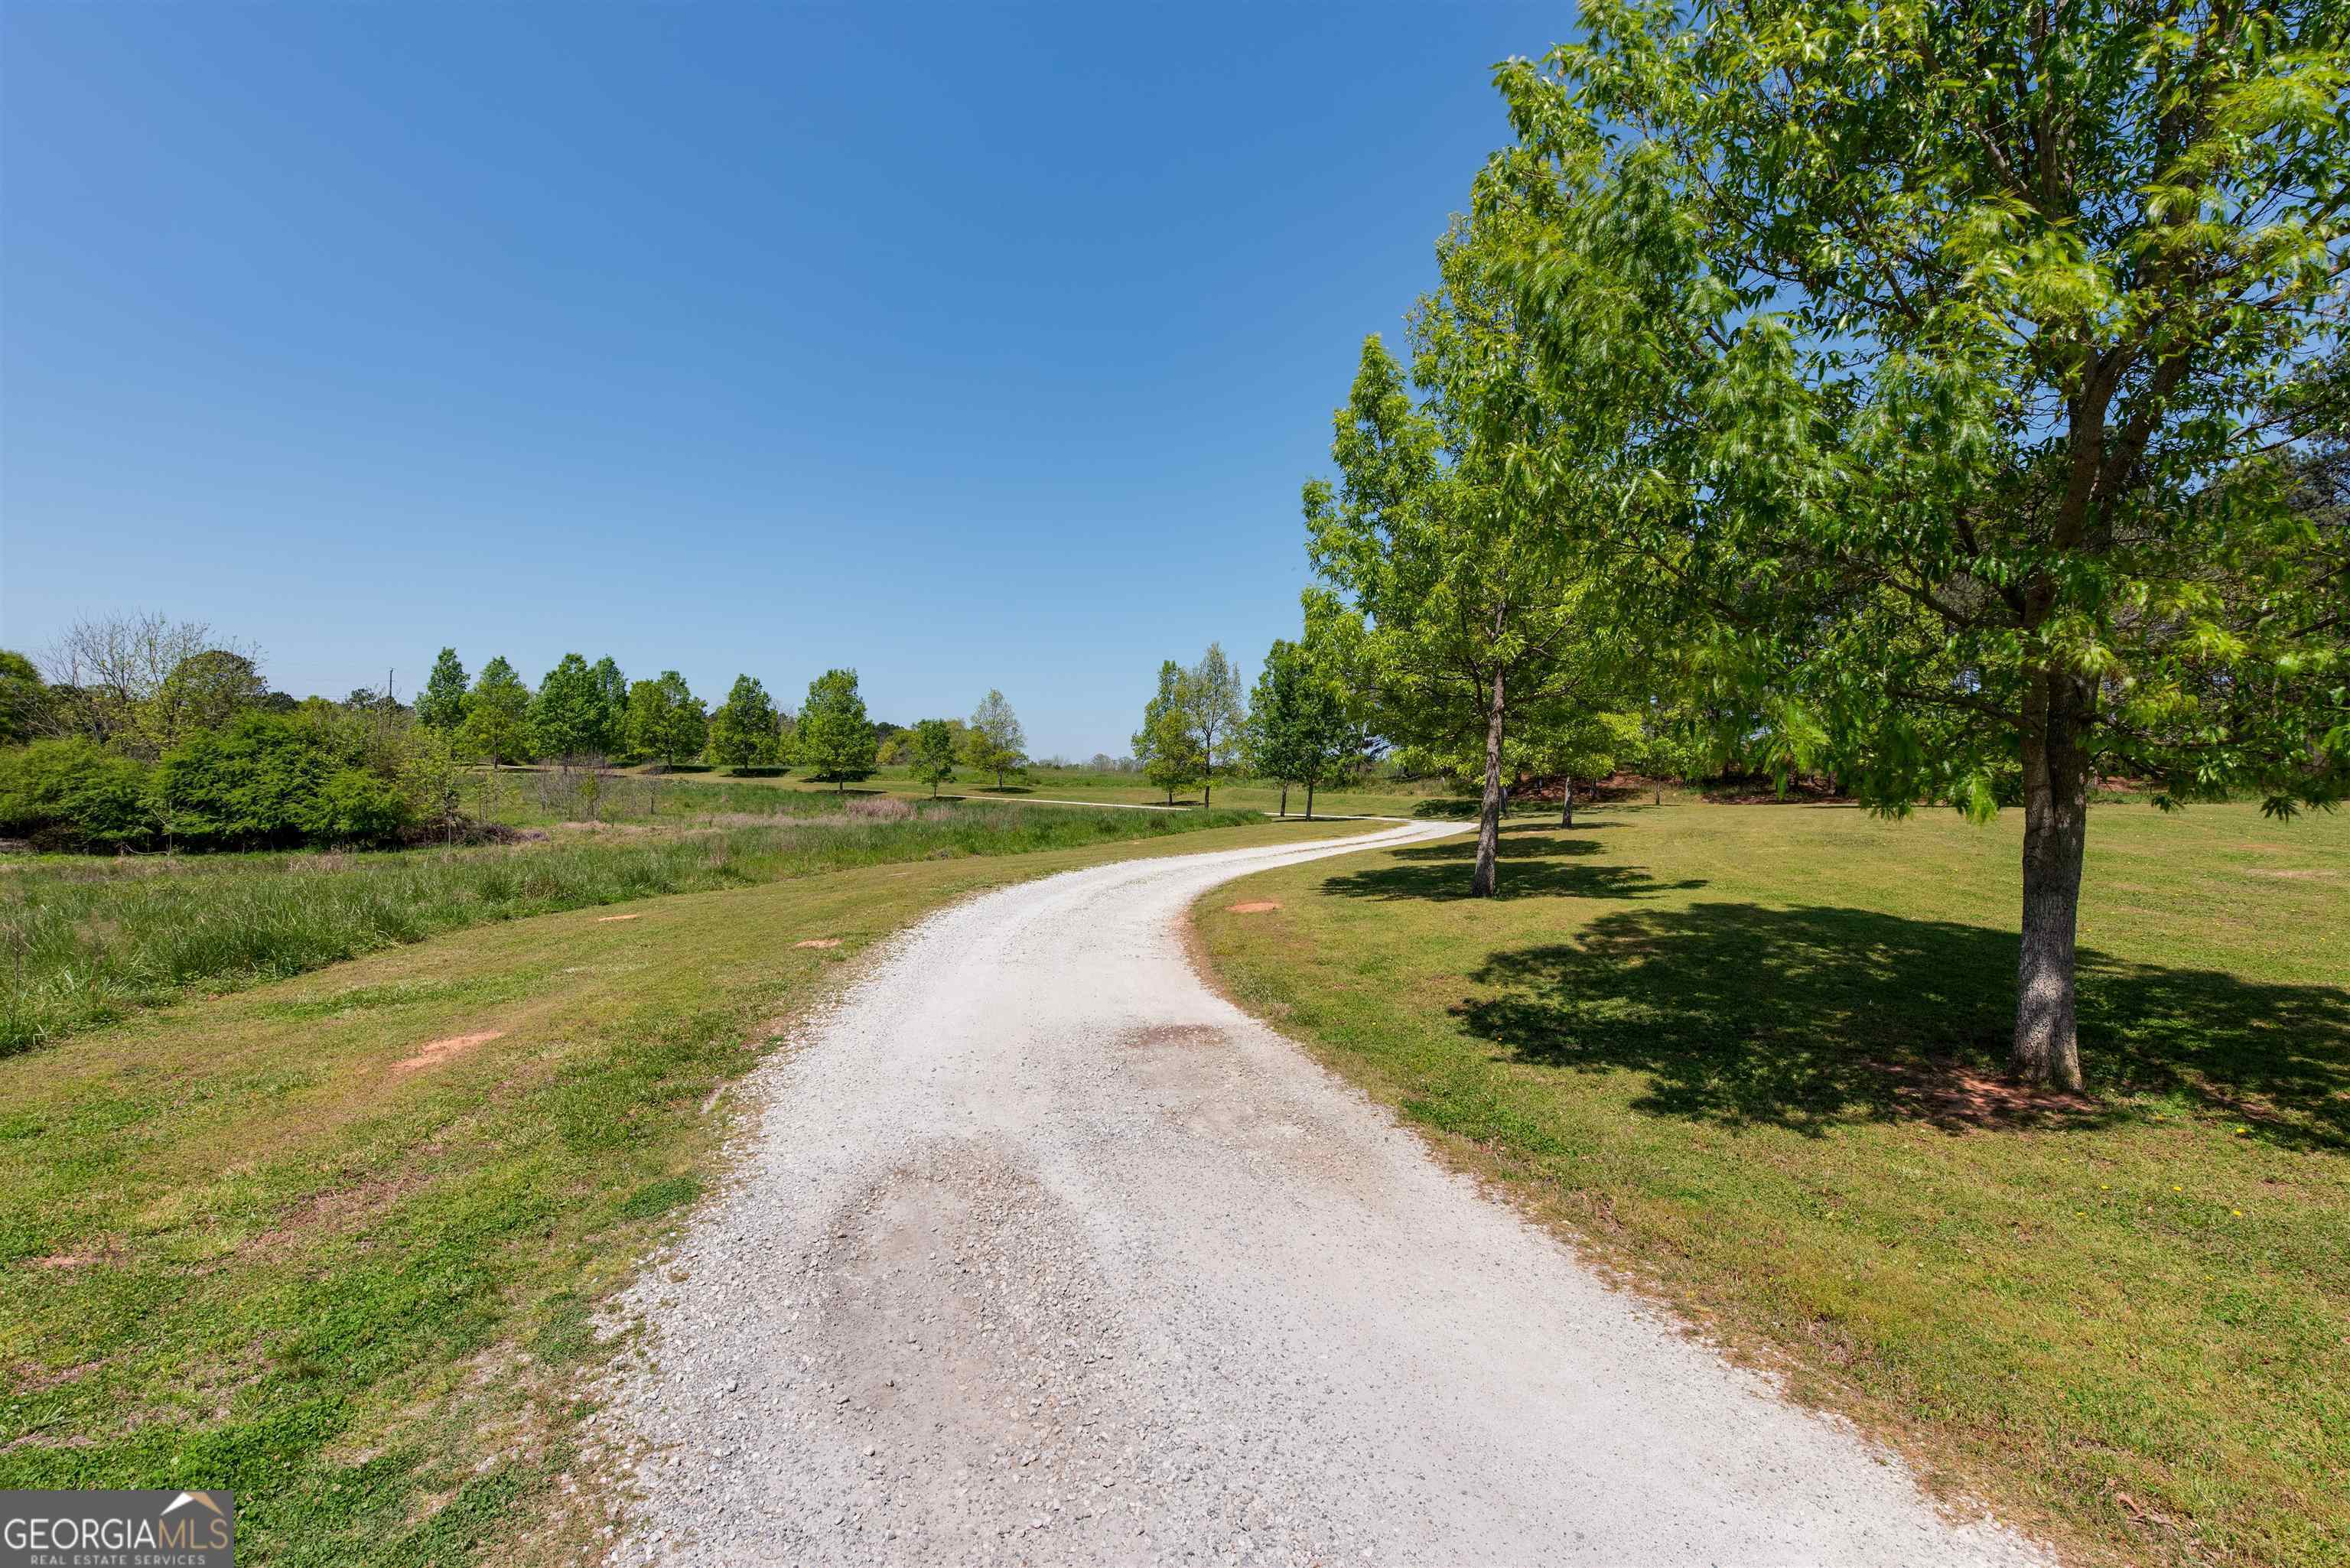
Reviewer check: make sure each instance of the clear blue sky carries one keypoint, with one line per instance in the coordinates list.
(969, 345)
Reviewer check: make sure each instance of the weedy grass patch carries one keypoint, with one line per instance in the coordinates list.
(87, 942)
(243, 1244)
(1751, 1055)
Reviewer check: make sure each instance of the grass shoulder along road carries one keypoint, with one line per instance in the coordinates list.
(90, 939)
(337, 1243)
(1749, 1056)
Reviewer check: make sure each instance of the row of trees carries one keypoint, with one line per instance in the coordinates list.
(1927, 394)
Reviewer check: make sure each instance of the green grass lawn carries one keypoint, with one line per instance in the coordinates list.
(1749, 1054)
(276, 1241)
(89, 939)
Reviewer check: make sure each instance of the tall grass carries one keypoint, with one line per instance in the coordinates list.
(85, 943)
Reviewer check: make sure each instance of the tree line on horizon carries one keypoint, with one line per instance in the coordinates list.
(142, 732)
(1948, 403)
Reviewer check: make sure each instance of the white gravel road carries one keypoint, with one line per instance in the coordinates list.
(1039, 1251)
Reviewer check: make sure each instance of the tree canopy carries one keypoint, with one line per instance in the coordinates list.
(836, 741)
(1987, 337)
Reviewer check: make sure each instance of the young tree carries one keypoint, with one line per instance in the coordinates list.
(835, 740)
(687, 730)
(442, 706)
(611, 706)
(1212, 693)
(566, 716)
(742, 730)
(1579, 744)
(1297, 729)
(1471, 533)
(2008, 311)
(497, 715)
(934, 753)
(996, 742)
(203, 692)
(1167, 745)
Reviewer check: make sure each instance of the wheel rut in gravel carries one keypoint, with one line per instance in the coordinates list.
(1040, 1251)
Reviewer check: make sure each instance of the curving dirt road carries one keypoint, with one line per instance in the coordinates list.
(1041, 1252)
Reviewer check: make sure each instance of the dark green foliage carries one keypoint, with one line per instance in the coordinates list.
(267, 781)
(569, 717)
(76, 794)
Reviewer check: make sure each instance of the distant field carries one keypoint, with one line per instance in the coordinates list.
(337, 1242)
(524, 799)
(90, 939)
(1749, 1054)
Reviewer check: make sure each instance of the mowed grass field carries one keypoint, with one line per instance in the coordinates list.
(337, 1243)
(1748, 1056)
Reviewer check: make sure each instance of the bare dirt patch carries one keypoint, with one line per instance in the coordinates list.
(1253, 907)
(2298, 875)
(818, 943)
(438, 1051)
(1962, 1099)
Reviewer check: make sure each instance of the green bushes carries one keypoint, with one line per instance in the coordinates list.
(263, 781)
(74, 794)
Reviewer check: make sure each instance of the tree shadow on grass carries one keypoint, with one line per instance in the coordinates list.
(1810, 1018)
(1531, 866)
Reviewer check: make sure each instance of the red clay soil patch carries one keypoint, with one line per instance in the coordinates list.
(608, 920)
(440, 1051)
(1253, 907)
(1960, 1098)
(818, 943)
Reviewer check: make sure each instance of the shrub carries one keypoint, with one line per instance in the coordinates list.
(76, 794)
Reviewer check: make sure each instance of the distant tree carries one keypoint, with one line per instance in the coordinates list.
(22, 698)
(441, 705)
(994, 741)
(1576, 743)
(1213, 695)
(497, 715)
(110, 670)
(834, 739)
(203, 692)
(567, 716)
(612, 707)
(1167, 745)
(665, 720)
(742, 730)
(1297, 729)
(934, 753)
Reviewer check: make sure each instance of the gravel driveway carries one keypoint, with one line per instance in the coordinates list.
(1040, 1252)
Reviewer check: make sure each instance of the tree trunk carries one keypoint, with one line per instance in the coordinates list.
(1566, 804)
(1284, 797)
(2047, 1048)
(1482, 884)
(1309, 800)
